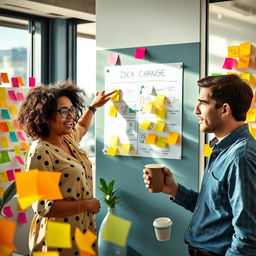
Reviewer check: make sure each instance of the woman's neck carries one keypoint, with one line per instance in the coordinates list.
(56, 140)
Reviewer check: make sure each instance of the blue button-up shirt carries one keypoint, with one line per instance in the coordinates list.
(224, 212)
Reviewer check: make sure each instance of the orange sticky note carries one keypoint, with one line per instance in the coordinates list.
(243, 62)
(5, 251)
(207, 150)
(3, 103)
(16, 124)
(4, 127)
(7, 231)
(151, 138)
(4, 77)
(24, 145)
(20, 81)
(245, 49)
(173, 138)
(85, 241)
(233, 51)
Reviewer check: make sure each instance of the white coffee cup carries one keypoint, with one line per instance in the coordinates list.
(162, 228)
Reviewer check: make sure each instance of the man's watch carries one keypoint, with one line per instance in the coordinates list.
(93, 109)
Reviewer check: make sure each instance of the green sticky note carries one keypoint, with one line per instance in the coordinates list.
(216, 74)
(5, 114)
(116, 230)
(4, 157)
(13, 137)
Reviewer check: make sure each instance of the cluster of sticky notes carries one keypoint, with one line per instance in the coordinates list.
(8, 175)
(113, 146)
(16, 81)
(251, 115)
(162, 141)
(34, 185)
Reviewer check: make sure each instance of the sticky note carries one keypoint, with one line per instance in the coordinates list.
(111, 151)
(216, 74)
(229, 63)
(6, 251)
(58, 235)
(32, 82)
(12, 95)
(243, 62)
(13, 109)
(4, 77)
(113, 58)
(113, 110)
(10, 127)
(1, 191)
(17, 170)
(207, 150)
(8, 211)
(125, 148)
(49, 253)
(116, 95)
(148, 107)
(4, 142)
(20, 81)
(10, 175)
(4, 157)
(16, 124)
(25, 202)
(7, 231)
(84, 241)
(24, 145)
(20, 96)
(3, 177)
(114, 140)
(13, 136)
(160, 112)
(15, 82)
(159, 99)
(252, 131)
(116, 230)
(233, 51)
(2, 94)
(151, 138)
(161, 141)
(22, 217)
(3, 103)
(144, 125)
(17, 150)
(20, 136)
(160, 125)
(5, 114)
(19, 159)
(3, 127)
(173, 138)
(140, 53)
(245, 49)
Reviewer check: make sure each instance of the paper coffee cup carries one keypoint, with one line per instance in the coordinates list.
(162, 228)
(157, 177)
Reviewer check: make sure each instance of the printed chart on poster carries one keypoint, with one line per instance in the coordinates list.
(144, 116)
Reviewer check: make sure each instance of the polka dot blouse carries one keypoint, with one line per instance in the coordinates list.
(75, 184)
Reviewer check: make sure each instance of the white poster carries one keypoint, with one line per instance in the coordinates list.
(144, 118)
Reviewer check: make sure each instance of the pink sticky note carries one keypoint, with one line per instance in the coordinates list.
(20, 135)
(8, 211)
(10, 175)
(19, 159)
(15, 82)
(229, 63)
(113, 58)
(20, 96)
(17, 170)
(22, 217)
(140, 53)
(32, 82)
(12, 95)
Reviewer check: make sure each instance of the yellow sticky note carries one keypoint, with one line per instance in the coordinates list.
(85, 241)
(159, 99)
(144, 124)
(7, 231)
(151, 138)
(160, 112)
(10, 127)
(245, 49)
(250, 115)
(116, 95)
(1, 191)
(116, 230)
(111, 151)
(13, 109)
(4, 142)
(2, 94)
(233, 51)
(207, 150)
(125, 149)
(58, 235)
(17, 150)
(25, 202)
(252, 131)
(173, 138)
(148, 107)
(114, 140)
(3, 103)
(113, 110)
(161, 141)
(159, 127)
(3, 177)
(243, 62)
(24, 145)
(5, 251)
(49, 253)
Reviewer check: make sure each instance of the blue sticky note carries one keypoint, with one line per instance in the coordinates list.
(5, 114)
(13, 137)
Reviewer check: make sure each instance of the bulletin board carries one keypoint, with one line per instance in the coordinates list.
(144, 117)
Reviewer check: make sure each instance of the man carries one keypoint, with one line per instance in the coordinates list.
(224, 211)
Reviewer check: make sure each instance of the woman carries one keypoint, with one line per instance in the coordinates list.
(52, 117)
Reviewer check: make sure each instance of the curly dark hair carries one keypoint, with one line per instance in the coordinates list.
(230, 89)
(40, 105)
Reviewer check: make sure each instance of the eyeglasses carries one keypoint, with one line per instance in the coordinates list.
(64, 112)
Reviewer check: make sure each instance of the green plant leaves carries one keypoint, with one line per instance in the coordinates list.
(9, 193)
(109, 193)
